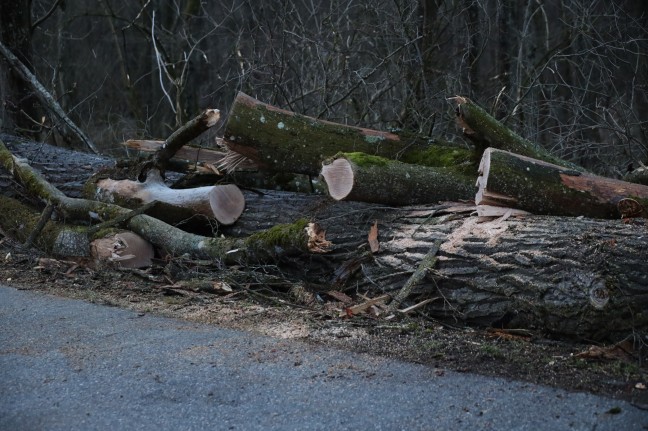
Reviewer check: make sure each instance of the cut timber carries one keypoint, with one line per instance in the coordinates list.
(280, 140)
(297, 237)
(124, 249)
(364, 178)
(485, 131)
(515, 181)
(224, 203)
(567, 276)
(188, 153)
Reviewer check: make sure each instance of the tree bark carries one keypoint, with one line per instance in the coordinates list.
(191, 154)
(360, 177)
(20, 106)
(484, 131)
(511, 180)
(280, 140)
(262, 246)
(572, 277)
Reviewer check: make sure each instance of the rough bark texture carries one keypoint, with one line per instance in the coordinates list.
(515, 181)
(360, 177)
(485, 131)
(187, 153)
(574, 277)
(284, 141)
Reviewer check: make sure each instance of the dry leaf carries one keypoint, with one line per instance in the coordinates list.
(372, 238)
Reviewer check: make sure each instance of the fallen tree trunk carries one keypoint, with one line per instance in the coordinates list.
(572, 277)
(484, 131)
(280, 140)
(514, 181)
(224, 203)
(365, 178)
(262, 246)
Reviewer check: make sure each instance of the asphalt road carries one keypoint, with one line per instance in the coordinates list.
(71, 365)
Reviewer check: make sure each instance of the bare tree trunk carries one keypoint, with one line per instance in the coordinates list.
(70, 130)
(19, 103)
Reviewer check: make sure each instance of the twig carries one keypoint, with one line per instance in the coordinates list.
(45, 216)
(426, 264)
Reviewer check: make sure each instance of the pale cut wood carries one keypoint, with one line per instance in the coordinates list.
(224, 203)
(125, 249)
(339, 178)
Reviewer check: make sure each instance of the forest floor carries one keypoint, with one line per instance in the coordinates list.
(524, 356)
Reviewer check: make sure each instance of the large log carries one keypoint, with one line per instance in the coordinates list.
(515, 181)
(365, 178)
(280, 140)
(567, 276)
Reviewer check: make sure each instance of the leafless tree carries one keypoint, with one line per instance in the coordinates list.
(570, 75)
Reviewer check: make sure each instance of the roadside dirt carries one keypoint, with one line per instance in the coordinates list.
(605, 370)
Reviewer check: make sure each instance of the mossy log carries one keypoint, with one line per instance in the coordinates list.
(279, 140)
(484, 131)
(567, 276)
(300, 236)
(365, 178)
(56, 239)
(515, 181)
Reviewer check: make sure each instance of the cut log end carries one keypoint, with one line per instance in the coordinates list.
(227, 203)
(339, 178)
(211, 117)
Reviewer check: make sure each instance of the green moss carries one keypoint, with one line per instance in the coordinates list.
(282, 235)
(364, 160)
(438, 156)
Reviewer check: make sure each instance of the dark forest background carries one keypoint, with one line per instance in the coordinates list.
(570, 75)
